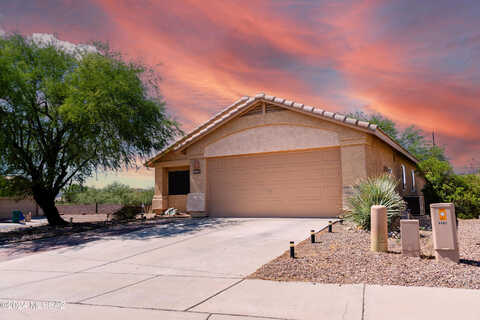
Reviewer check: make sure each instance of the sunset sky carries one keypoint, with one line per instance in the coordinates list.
(417, 62)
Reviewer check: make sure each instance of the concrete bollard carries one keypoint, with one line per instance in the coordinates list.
(409, 230)
(444, 229)
(378, 229)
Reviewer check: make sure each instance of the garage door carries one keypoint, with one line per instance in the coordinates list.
(293, 184)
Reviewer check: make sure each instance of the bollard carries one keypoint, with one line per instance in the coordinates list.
(378, 229)
(292, 250)
(96, 206)
(312, 236)
(330, 226)
(71, 220)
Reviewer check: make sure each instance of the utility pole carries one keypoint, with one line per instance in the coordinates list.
(433, 137)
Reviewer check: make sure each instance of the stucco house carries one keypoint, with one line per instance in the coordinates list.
(266, 156)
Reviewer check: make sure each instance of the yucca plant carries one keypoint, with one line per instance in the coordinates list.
(381, 190)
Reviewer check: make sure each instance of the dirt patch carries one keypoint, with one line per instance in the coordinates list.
(344, 257)
(47, 231)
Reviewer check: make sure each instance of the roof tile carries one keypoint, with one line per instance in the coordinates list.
(328, 114)
(363, 124)
(298, 105)
(308, 108)
(351, 121)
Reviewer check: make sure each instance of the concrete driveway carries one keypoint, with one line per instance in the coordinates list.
(196, 270)
(159, 272)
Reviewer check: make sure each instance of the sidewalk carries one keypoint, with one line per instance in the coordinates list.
(259, 299)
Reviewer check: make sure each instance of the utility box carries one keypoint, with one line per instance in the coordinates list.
(444, 229)
(409, 230)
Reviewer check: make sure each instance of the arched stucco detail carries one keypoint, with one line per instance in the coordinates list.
(270, 139)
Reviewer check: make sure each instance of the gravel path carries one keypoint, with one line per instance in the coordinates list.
(344, 257)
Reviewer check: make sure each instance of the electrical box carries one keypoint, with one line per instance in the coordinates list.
(444, 229)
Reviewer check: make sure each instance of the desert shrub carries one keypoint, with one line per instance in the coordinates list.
(127, 213)
(381, 190)
(443, 185)
(115, 193)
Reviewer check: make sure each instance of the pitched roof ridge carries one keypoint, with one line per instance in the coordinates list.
(327, 114)
(247, 100)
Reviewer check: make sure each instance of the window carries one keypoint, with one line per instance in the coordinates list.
(404, 178)
(413, 181)
(178, 182)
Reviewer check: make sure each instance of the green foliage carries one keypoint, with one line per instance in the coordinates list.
(381, 190)
(14, 187)
(70, 192)
(115, 193)
(412, 138)
(384, 123)
(443, 185)
(64, 115)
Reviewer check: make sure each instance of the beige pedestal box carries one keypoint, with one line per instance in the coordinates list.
(378, 229)
(409, 230)
(196, 204)
(444, 228)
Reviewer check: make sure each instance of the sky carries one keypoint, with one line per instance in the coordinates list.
(416, 62)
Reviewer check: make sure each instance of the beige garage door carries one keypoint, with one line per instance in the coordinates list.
(293, 184)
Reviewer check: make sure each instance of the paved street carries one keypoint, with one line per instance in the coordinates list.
(196, 270)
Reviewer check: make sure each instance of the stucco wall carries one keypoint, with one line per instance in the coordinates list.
(272, 118)
(7, 205)
(381, 156)
(362, 154)
(266, 138)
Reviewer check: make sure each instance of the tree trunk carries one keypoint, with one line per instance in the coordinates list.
(47, 203)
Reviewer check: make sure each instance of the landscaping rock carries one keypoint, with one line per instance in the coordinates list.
(344, 257)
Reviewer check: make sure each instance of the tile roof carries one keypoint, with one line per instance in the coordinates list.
(245, 102)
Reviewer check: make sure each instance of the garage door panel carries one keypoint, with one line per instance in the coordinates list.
(282, 184)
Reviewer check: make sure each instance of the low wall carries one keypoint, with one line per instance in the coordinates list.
(72, 209)
(7, 205)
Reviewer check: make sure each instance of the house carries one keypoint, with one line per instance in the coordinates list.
(265, 156)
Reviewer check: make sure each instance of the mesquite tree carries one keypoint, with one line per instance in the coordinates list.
(65, 114)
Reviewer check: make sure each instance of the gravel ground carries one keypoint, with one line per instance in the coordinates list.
(80, 226)
(344, 257)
